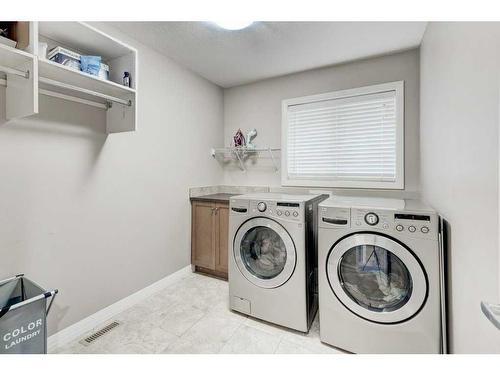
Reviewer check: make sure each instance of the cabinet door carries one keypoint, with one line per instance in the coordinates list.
(221, 229)
(203, 235)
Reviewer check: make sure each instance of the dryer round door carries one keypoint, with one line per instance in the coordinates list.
(264, 252)
(377, 278)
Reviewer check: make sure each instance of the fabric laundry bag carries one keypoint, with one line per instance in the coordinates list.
(23, 316)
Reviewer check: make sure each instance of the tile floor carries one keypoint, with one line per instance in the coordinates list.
(192, 316)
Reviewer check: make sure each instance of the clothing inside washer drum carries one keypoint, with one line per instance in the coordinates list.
(375, 278)
(263, 252)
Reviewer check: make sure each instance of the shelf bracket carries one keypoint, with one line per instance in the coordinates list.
(242, 166)
(16, 72)
(274, 160)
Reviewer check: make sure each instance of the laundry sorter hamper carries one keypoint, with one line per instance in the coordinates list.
(23, 316)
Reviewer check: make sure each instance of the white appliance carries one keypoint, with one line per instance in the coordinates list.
(381, 285)
(273, 257)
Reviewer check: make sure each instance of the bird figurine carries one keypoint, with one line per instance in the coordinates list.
(250, 137)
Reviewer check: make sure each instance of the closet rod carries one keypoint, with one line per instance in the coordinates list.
(67, 86)
(3, 82)
(16, 72)
(70, 98)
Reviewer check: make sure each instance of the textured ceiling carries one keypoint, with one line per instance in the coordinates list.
(269, 49)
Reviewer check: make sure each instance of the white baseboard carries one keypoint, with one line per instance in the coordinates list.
(76, 330)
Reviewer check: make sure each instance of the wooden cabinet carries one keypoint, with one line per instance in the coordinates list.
(203, 235)
(209, 237)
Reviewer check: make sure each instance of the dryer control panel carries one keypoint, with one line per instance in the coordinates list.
(413, 224)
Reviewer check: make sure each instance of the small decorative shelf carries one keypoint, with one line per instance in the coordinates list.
(242, 153)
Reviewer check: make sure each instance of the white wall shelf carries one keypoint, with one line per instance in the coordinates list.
(119, 101)
(241, 154)
(58, 72)
(13, 57)
(21, 76)
(29, 75)
(83, 38)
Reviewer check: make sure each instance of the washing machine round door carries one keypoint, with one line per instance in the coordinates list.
(377, 278)
(264, 252)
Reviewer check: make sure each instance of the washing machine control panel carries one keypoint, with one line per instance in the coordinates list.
(416, 225)
(410, 224)
(371, 218)
(334, 217)
(261, 206)
(292, 211)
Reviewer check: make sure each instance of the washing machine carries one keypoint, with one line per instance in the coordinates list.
(381, 284)
(273, 257)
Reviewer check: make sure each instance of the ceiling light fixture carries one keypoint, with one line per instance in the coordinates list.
(233, 25)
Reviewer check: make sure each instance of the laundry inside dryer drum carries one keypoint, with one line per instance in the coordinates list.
(375, 278)
(263, 252)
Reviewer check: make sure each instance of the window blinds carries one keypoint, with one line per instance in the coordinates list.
(345, 139)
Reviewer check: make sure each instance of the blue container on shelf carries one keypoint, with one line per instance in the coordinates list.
(90, 64)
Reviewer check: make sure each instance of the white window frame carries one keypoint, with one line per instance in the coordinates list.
(398, 87)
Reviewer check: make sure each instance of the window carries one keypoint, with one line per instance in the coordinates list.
(350, 138)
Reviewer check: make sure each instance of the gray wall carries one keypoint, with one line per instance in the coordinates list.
(460, 64)
(97, 216)
(258, 105)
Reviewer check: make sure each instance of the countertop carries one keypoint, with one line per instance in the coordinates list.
(220, 197)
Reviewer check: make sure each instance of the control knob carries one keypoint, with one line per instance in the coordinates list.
(371, 218)
(261, 206)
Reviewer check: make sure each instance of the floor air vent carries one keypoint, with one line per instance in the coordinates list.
(90, 339)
